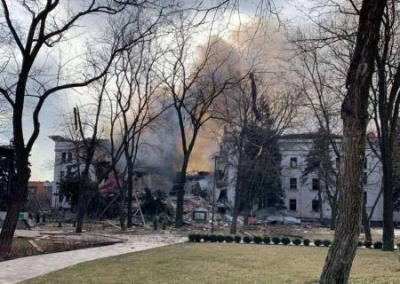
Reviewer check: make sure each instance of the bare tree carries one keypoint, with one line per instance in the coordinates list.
(253, 103)
(44, 30)
(323, 89)
(384, 88)
(323, 93)
(355, 118)
(136, 102)
(385, 110)
(84, 129)
(90, 142)
(194, 84)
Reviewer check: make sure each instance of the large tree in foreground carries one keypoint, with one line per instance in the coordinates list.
(355, 118)
(330, 46)
(31, 34)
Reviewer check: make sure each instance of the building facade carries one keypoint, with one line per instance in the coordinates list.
(40, 188)
(301, 194)
(67, 161)
(68, 157)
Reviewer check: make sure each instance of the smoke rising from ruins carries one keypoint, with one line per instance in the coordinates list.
(160, 150)
(243, 50)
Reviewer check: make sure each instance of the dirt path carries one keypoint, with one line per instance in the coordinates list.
(17, 270)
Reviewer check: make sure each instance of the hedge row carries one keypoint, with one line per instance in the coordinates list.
(376, 245)
(246, 239)
(275, 240)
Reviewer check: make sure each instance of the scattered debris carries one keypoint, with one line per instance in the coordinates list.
(282, 219)
(112, 224)
(200, 214)
(36, 246)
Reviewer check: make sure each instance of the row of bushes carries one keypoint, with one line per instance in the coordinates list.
(275, 240)
(247, 239)
(377, 245)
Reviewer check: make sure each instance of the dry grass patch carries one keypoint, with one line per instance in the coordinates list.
(225, 263)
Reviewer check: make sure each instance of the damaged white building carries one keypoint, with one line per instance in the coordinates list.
(301, 196)
(153, 176)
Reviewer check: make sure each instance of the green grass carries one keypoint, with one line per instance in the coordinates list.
(225, 263)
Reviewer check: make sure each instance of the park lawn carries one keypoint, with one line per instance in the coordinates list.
(225, 263)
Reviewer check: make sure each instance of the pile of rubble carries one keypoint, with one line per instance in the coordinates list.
(198, 214)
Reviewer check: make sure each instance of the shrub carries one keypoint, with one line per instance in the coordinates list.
(220, 238)
(247, 239)
(360, 244)
(326, 243)
(228, 239)
(258, 239)
(213, 238)
(367, 244)
(276, 240)
(267, 240)
(237, 239)
(296, 242)
(285, 241)
(317, 242)
(197, 238)
(192, 238)
(378, 245)
(306, 242)
(206, 238)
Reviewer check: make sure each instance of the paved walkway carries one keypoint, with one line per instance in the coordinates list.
(17, 270)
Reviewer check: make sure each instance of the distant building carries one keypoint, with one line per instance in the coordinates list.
(40, 193)
(69, 158)
(301, 197)
(40, 188)
(197, 183)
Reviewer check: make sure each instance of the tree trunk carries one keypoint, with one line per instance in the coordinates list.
(130, 197)
(121, 210)
(9, 226)
(332, 198)
(238, 199)
(85, 181)
(80, 215)
(81, 205)
(235, 212)
(181, 192)
(320, 208)
(341, 254)
(20, 189)
(333, 216)
(246, 214)
(335, 201)
(17, 201)
(386, 148)
(83, 193)
(388, 208)
(365, 223)
(121, 201)
(355, 116)
(238, 185)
